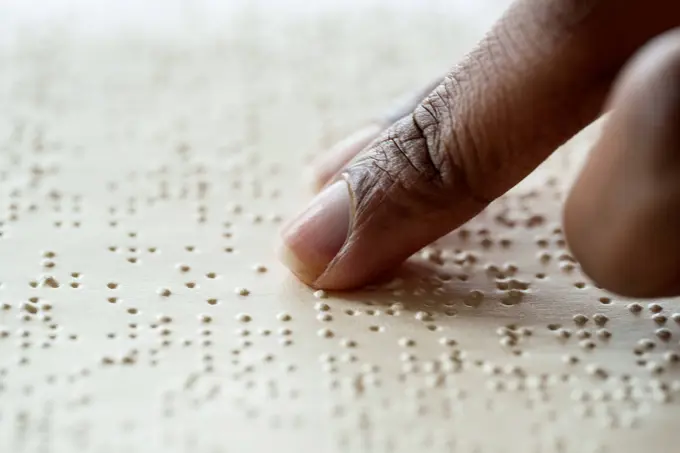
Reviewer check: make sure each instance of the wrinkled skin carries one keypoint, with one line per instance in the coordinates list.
(543, 72)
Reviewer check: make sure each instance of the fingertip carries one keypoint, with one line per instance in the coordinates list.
(313, 239)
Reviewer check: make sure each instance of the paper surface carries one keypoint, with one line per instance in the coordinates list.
(148, 155)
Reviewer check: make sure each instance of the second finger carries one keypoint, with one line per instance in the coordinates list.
(622, 218)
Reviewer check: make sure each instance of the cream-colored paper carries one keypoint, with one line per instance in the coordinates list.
(148, 154)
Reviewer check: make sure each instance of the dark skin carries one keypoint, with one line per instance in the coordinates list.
(545, 70)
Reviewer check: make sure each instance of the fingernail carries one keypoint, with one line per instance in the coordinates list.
(314, 238)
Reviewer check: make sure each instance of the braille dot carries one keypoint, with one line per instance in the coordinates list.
(243, 317)
(212, 301)
(242, 291)
(587, 344)
(165, 292)
(583, 334)
(446, 341)
(348, 343)
(406, 342)
(659, 318)
(672, 357)
(283, 317)
(325, 317)
(30, 308)
(655, 308)
(634, 307)
(600, 319)
(320, 294)
(325, 333)
(646, 344)
(563, 333)
(596, 371)
(663, 334)
(580, 319)
(603, 334)
(570, 359)
(508, 341)
(320, 306)
(205, 318)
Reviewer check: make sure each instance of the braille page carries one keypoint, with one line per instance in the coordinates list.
(149, 153)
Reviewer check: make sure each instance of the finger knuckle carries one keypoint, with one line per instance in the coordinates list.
(414, 165)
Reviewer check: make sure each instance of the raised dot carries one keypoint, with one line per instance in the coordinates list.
(655, 308)
(446, 341)
(570, 359)
(563, 333)
(582, 334)
(603, 334)
(600, 319)
(321, 306)
(663, 334)
(325, 333)
(205, 318)
(646, 344)
(634, 307)
(325, 317)
(30, 308)
(348, 343)
(283, 317)
(423, 316)
(580, 319)
(587, 344)
(242, 291)
(596, 371)
(659, 318)
(320, 294)
(671, 357)
(406, 342)
(243, 317)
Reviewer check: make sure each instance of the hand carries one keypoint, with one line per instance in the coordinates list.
(544, 71)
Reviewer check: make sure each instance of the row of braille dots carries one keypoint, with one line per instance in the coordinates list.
(50, 379)
(487, 239)
(513, 289)
(644, 345)
(583, 334)
(566, 262)
(628, 388)
(55, 197)
(662, 333)
(34, 309)
(185, 268)
(162, 326)
(469, 259)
